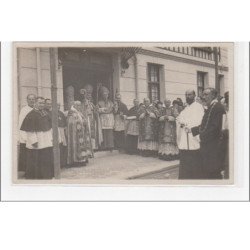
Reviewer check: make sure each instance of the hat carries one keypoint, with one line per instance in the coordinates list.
(88, 87)
(83, 91)
(176, 102)
(103, 90)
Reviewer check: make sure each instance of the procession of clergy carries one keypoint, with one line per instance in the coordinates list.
(192, 132)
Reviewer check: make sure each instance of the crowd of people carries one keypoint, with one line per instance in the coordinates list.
(191, 132)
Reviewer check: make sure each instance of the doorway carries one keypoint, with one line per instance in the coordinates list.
(81, 67)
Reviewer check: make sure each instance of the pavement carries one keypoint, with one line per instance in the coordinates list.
(120, 166)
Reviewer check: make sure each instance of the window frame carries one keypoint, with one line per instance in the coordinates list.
(200, 89)
(153, 83)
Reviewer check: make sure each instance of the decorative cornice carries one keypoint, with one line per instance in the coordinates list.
(179, 59)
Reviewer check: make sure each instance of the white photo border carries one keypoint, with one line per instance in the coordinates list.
(237, 192)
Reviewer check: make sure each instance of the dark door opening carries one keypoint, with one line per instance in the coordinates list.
(78, 78)
(90, 67)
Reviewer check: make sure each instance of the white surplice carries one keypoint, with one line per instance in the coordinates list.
(191, 116)
(23, 113)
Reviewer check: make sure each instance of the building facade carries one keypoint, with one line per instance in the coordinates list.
(135, 72)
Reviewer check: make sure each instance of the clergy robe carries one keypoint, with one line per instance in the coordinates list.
(93, 120)
(189, 145)
(79, 141)
(62, 138)
(132, 130)
(62, 125)
(22, 139)
(61, 135)
(106, 109)
(210, 135)
(119, 125)
(38, 128)
(168, 149)
(148, 130)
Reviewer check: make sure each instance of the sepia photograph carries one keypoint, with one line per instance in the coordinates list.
(124, 125)
(123, 113)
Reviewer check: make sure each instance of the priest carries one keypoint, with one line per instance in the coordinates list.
(106, 112)
(148, 129)
(132, 129)
(93, 118)
(120, 113)
(189, 145)
(38, 127)
(31, 99)
(62, 137)
(79, 140)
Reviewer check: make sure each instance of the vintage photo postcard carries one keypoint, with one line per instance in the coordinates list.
(123, 113)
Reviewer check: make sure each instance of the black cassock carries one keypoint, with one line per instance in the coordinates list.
(63, 149)
(132, 139)
(119, 136)
(39, 163)
(210, 136)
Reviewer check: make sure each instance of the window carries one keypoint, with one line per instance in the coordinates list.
(201, 81)
(153, 82)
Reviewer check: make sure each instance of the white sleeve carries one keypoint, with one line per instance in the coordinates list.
(31, 138)
(197, 115)
(21, 118)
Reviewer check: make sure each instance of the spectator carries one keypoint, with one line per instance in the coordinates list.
(210, 134)
(181, 104)
(159, 105)
(48, 106)
(225, 138)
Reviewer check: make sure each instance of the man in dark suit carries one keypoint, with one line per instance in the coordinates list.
(210, 134)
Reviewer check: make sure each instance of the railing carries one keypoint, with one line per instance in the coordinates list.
(200, 52)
